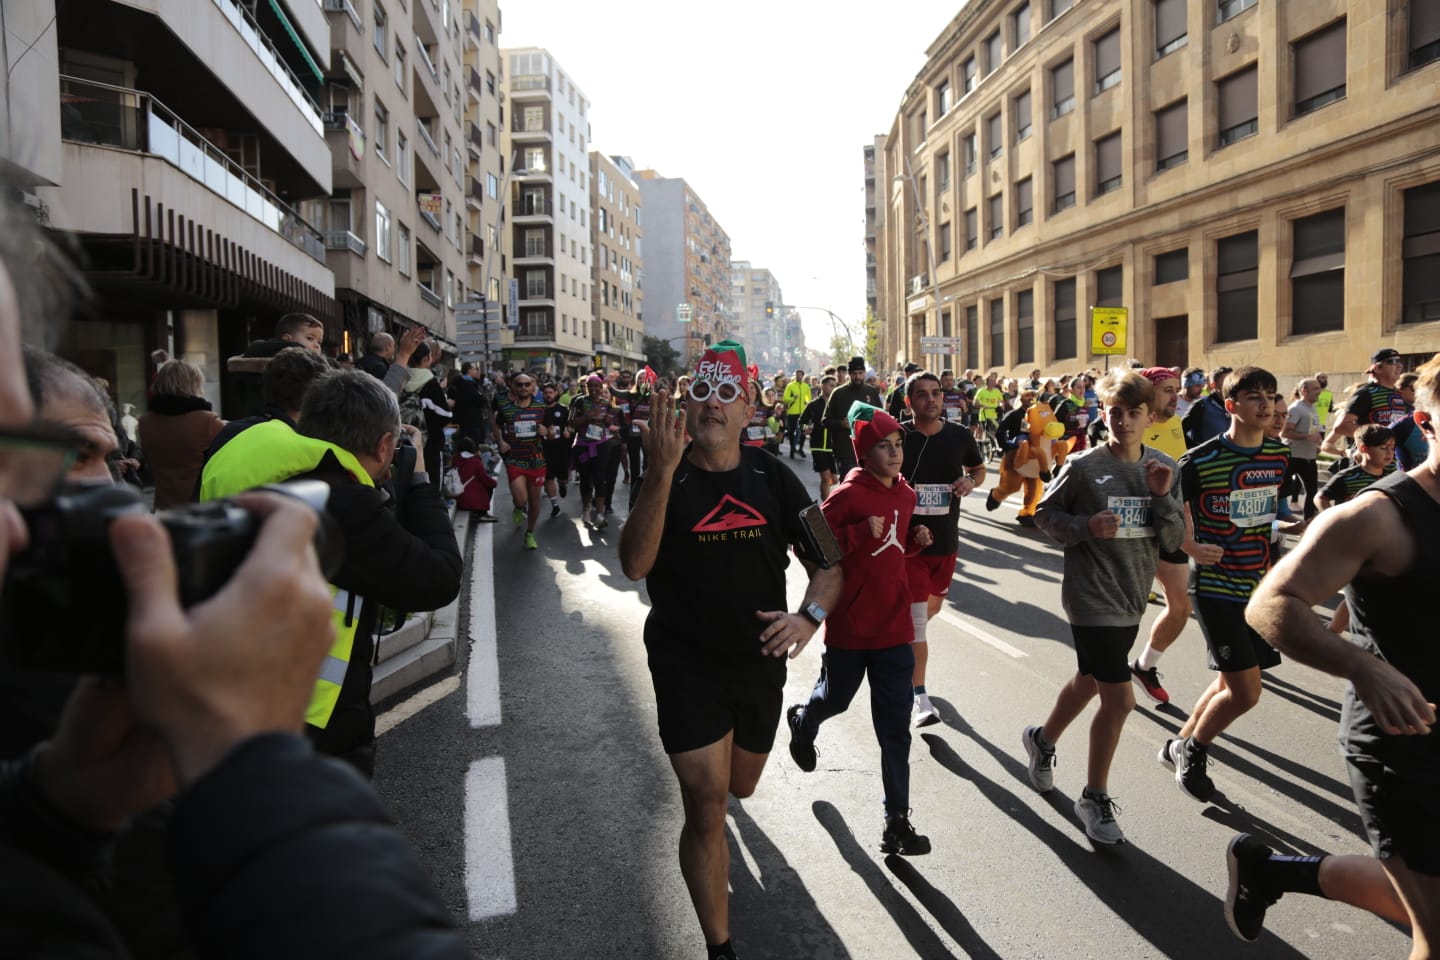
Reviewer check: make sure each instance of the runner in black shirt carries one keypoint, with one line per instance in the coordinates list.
(943, 464)
(557, 448)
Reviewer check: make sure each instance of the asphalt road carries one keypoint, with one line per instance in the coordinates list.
(573, 812)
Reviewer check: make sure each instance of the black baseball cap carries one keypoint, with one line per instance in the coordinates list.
(912, 367)
(1388, 353)
(857, 363)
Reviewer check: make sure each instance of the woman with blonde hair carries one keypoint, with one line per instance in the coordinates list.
(176, 432)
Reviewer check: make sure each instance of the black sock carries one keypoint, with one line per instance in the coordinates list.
(1294, 874)
(720, 951)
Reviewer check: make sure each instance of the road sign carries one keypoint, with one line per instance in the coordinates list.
(1108, 327)
(949, 345)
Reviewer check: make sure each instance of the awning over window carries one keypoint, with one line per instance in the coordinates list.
(295, 39)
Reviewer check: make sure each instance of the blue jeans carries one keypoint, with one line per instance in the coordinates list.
(890, 672)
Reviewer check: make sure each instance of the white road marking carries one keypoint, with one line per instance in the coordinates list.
(981, 635)
(482, 674)
(489, 865)
(401, 712)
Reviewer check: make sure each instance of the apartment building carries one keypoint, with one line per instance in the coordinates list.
(486, 183)
(617, 291)
(395, 224)
(1255, 182)
(687, 267)
(548, 141)
(181, 143)
(874, 166)
(757, 306)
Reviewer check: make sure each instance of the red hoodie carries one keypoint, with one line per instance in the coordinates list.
(874, 608)
(476, 495)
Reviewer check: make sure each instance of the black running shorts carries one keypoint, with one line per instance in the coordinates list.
(1231, 644)
(698, 702)
(822, 460)
(1399, 814)
(1104, 652)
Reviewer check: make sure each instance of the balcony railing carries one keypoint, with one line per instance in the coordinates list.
(347, 8)
(535, 330)
(476, 247)
(473, 79)
(425, 135)
(519, 124)
(251, 33)
(472, 26)
(425, 58)
(428, 295)
(344, 240)
(531, 82)
(474, 193)
(477, 139)
(113, 116)
(529, 207)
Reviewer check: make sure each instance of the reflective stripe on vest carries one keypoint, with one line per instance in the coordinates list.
(270, 452)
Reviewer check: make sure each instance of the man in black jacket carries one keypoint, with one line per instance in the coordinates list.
(472, 407)
(837, 410)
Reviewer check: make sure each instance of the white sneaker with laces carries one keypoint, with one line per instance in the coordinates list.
(1097, 812)
(1042, 760)
(925, 712)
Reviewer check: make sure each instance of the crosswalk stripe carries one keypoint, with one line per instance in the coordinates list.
(489, 861)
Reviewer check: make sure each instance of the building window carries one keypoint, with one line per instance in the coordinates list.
(1225, 9)
(399, 66)
(1237, 294)
(402, 240)
(492, 135)
(944, 242)
(489, 32)
(1424, 42)
(490, 82)
(382, 231)
(1110, 287)
(1172, 136)
(1058, 7)
(382, 130)
(1421, 251)
(536, 287)
(1317, 273)
(994, 134)
(997, 333)
(1107, 164)
(1107, 61)
(1025, 326)
(1172, 266)
(1062, 337)
(970, 152)
(1020, 24)
(1170, 30)
(1320, 68)
(942, 172)
(997, 216)
(942, 98)
(921, 124)
(993, 53)
(378, 33)
(1024, 203)
(1063, 182)
(402, 158)
(492, 186)
(972, 336)
(972, 228)
(1239, 114)
(968, 72)
(1022, 116)
(1062, 89)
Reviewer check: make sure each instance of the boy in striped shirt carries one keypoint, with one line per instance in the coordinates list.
(1375, 453)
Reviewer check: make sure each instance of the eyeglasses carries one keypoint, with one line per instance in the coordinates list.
(33, 460)
(726, 391)
(1394, 361)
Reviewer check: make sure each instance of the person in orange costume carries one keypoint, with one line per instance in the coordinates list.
(1031, 436)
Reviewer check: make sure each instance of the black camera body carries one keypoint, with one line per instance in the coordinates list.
(63, 609)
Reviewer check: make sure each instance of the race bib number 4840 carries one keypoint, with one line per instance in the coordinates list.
(1134, 514)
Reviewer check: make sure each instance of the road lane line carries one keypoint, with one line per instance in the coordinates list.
(401, 712)
(981, 635)
(482, 674)
(489, 864)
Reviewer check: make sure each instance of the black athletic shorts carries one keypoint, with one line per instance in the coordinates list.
(1174, 556)
(822, 460)
(1231, 644)
(1399, 814)
(699, 701)
(557, 460)
(1104, 652)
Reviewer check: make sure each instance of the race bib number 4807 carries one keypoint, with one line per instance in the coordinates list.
(1134, 514)
(1254, 508)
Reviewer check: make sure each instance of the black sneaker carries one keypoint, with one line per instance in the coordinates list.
(804, 754)
(900, 837)
(555, 511)
(563, 490)
(1248, 896)
(1190, 759)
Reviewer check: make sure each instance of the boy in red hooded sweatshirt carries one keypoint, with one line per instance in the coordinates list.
(870, 515)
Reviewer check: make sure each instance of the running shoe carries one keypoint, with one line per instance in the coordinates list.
(925, 713)
(1248, 897)
(555, 511)
(1149, 681)
(486, 517)
(1097, 812)
(1190, 760)
(1025, 520)
(804, 754)
(530, 543)
(1042, 760)
(1165, 756)
(517, 516)
(600, 521)
(900, 837)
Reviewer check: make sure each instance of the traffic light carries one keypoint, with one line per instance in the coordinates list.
(769, 310)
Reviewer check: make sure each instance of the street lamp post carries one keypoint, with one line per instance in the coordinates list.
(834, 322)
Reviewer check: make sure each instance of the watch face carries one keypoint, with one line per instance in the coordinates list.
(815, 611)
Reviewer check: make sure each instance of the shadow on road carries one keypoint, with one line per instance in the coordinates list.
(1328, 709)
(942, 908)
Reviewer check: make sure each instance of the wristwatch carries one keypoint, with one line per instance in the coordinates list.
(813, 612)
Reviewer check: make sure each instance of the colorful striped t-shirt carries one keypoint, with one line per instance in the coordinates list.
(1234, 496)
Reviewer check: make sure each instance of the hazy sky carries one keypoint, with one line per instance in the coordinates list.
(763, 108)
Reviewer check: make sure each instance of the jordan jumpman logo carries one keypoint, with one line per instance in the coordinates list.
(890, 538)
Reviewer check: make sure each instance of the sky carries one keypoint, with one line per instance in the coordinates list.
(762, 107)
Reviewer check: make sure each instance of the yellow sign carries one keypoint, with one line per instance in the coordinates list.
(1107, 330)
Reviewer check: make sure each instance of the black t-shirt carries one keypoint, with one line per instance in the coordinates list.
(723, 554)
(932, 464)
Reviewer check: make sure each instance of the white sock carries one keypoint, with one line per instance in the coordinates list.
(1150, 658)
(919, 616)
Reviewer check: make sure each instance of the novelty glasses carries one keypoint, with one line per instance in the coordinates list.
(726, 391)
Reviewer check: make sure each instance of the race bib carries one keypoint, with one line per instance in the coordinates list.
(635, 426)
(525, 429)
(594, 431)
(952, 413)
(1134, 514)
(1254, 508)
(932, 499)
(754, 433)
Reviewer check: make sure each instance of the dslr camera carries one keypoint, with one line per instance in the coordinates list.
(63, 608)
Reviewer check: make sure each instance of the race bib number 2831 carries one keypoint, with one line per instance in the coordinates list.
(932, 499)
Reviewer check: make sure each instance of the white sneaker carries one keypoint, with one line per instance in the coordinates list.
(925, 713)
(1097, 812)
(1042, 760)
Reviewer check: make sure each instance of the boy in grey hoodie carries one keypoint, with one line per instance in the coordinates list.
(1113, 508)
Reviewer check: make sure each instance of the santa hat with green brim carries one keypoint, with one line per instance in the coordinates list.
(868, 426)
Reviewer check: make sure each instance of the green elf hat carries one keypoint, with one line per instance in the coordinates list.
(868, 426)
(721, 362)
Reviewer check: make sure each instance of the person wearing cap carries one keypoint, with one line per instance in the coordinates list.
(717, 516)
(1377, 401)
(1207, 417)
(871, 632)
(1192, 385)
(837, 409)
